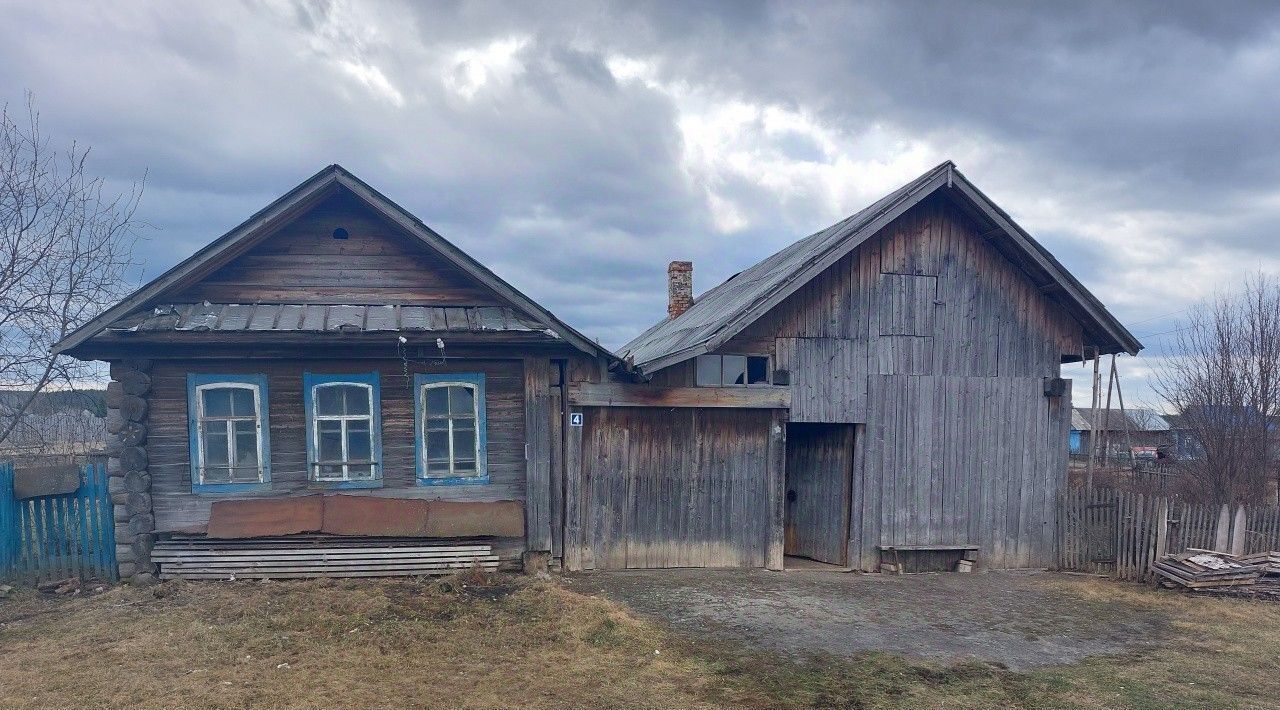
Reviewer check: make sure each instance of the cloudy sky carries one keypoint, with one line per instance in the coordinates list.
(577, 148)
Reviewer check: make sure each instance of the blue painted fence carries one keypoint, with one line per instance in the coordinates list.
(61, 536)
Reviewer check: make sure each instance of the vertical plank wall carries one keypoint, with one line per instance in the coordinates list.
(939, 344)
(673, 488)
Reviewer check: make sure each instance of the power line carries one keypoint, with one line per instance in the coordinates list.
(1163, 315)
(1165, 332)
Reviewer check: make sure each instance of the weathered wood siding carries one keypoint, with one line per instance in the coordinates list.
(671, 488)
(168, 448)
(939, 344)
(963, 460)
(303, 263)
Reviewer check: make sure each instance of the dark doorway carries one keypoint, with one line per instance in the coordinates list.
(819, 476)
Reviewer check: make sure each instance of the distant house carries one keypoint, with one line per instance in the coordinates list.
(1185, 427)
(1143, 430)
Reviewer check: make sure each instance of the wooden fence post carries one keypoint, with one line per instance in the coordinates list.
(1222, 538)
(1162, 529)
(1237, 532)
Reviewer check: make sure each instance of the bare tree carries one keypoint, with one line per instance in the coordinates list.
(65, 247)
(1224, 379)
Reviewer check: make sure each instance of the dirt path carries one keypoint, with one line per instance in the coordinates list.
(1019, 619)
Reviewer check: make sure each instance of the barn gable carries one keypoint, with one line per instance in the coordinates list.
(726, 311)
(333, 254)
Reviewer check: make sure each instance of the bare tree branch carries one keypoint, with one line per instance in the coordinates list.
(65, 248)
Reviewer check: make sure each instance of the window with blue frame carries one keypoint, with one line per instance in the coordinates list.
(344, 429)
(451, 440)
(228, 431)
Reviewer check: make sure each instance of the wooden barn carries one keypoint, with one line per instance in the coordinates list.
(917, 346)
(333, 388)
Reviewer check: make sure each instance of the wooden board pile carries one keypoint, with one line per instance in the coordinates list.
(1268, 561)
(1202, 569)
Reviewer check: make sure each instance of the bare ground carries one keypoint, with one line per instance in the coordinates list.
(1019, 620)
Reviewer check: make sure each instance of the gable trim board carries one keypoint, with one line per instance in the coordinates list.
(731, 307)
(306, 195)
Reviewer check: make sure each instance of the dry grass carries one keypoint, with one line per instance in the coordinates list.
(497, 641)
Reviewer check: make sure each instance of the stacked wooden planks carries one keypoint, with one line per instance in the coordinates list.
(305, 556)
(1200, 569)
(1269, 562)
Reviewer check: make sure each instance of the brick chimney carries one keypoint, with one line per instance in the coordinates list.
(679, 287)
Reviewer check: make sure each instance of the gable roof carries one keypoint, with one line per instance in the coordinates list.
(721, 313)
(306, 195)
(1117, 420)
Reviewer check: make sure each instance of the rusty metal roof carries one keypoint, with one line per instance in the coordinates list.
(316, 318)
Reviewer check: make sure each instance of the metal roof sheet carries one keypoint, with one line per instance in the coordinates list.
(273, 317)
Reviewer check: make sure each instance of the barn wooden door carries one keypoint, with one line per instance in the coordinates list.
(819, 472)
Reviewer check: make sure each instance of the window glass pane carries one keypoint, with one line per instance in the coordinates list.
(241, 402)
(217, 402)
(330, 444)
(735, 370)
(217, 474)
(358, 445)
(246, 474)
(357, 399)
(438, 445)
(246, 443)
(328, 400)
(464, 444)
(464, 467)
(461, 401)
(708, 370)
(215, 444)
(360, 473)
(330, 471)
(438, 467)
(437, 401)
(757, 370)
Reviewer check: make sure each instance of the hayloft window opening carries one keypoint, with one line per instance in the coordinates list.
(451, 428)
(344, 422)
(732, 370)
(228, 431)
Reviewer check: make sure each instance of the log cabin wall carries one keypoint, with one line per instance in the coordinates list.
(176, 508)
(939, 344)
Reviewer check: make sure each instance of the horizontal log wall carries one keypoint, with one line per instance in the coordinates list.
(178, 509)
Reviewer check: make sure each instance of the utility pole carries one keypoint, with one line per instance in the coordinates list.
(1093, 415)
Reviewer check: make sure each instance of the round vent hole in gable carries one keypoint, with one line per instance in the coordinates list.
(340, 233)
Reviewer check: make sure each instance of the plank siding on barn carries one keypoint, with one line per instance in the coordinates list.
(939, 344)
(672, 488)
(178, 509)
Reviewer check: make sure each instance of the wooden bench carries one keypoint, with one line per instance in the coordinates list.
(968, 552)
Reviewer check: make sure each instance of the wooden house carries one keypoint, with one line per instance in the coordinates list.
(334, 375)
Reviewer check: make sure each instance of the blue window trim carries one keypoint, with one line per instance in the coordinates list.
(309, 382)
(194, 382)
(475, 379)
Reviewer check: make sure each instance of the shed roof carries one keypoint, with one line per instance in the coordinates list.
(138, 307)
(724, 311)
(1115, 420)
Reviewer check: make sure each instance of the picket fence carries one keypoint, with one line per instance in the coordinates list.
(1121, 533)
(60, 536)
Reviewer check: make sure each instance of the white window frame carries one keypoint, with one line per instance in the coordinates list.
(201, 419)
(476, 429)
(317, 417)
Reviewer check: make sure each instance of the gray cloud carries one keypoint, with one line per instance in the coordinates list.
(578, 148)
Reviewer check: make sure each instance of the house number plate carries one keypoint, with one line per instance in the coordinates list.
(575, 419)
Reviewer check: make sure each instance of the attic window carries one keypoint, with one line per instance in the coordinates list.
(340, 233)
